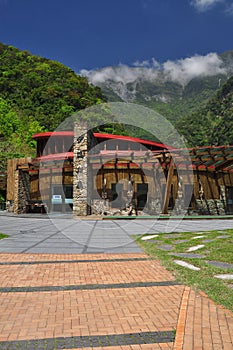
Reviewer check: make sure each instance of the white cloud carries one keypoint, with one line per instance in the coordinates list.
(204, 5)
(184, 70)
(181, 71)
(121, 74)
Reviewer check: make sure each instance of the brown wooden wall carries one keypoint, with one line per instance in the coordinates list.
(11, 168)
(156, 181)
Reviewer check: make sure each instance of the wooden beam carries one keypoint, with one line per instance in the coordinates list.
(168, 187)
(223, 165)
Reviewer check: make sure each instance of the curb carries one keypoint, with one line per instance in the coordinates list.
(179, 340)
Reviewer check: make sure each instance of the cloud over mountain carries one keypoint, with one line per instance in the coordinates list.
(181, 71)
(184, 70)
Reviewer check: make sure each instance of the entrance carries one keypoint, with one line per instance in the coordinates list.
(117, 195)
(141, 195)
(229, 198)
(62, 198)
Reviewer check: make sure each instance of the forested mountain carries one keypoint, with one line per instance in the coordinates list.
(213, 124)
(169, 98)
(200, 107)
(173, 90)
(36, 94)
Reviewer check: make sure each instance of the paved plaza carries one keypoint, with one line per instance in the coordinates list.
(60, 234)
(77, 284)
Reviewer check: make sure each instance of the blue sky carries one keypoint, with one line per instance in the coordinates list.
(90, 34)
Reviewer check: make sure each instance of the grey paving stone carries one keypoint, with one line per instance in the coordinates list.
(92, 341)
(166, 247)
(220, 264)
(112, 232)
(180, 241)
(188, 255)
(173, 235)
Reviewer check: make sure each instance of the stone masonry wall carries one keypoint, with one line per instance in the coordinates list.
(211, 207)
(22, 191)
(82, 181)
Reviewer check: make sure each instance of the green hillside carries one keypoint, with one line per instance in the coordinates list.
(169, 98)
(213, 124)
(36, 94)
(201, 110)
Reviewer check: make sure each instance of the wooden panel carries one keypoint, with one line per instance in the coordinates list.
(11, 167)
(168, 187)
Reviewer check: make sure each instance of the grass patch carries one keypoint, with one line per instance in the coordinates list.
(218, 249)
(2, 235)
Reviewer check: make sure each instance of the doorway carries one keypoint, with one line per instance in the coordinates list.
(117, 195)
(229, 198)
(62, 198)
(141, 195)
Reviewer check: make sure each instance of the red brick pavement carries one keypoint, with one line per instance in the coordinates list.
(82, 273)
(199, 323)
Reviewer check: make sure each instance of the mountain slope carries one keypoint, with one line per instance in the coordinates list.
(174, 90)
(43, 89)
(213, 124)
(36, 94)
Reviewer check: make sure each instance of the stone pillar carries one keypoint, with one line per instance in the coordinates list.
(16, 192)
(22, 191)
(82, 181)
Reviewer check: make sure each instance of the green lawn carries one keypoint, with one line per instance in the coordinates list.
(3, 236)
(220, 250)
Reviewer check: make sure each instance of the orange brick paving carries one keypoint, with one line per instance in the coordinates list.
(181, 320)
(8, 257)
(212, 324)
(82, 273)
(200, 324)
(89, 312)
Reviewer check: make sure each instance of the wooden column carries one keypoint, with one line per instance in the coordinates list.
(168, 187)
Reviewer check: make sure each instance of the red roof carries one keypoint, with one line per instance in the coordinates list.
(131, 139)
(52, 134)
(102, 137)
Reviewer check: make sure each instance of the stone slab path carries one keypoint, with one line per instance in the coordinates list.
(117, 299)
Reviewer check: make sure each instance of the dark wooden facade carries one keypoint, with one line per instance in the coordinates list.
(122, 167)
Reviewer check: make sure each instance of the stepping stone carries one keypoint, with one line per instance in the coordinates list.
(222, 236)
(200, 233)
(208, 240)
(173, 235)
(189, 256)
(184, 264)
(192, 249)
(166, 247)
(198, 237)
(146, 238)
(225, 276)
(219, 264)
(180, 241)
